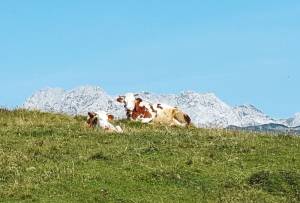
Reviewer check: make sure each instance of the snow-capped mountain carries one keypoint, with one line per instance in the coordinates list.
(293, 122)
(74, 102)
(205, 110)
(48, 100)
(249, 115)
(84, 99)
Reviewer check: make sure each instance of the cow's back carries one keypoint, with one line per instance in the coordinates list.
(170, 115)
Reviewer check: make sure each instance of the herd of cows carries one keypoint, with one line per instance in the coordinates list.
(142, 111)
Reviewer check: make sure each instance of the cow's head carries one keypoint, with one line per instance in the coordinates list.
(128, 100)
(93, 118)
(131, 104)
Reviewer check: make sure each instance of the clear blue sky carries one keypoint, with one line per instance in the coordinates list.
(243, 51)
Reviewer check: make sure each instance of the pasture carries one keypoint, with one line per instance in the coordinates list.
(54, 158)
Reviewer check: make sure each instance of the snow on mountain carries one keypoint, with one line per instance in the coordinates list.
(83, 99)
(249, 115)
(294, 121)
(206, 110)
(74, 102)
(48, 100)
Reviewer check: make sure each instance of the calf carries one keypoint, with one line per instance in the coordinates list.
(137, 109)
(101, 119)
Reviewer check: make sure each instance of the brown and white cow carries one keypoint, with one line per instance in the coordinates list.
(101, 119)
(139, 110)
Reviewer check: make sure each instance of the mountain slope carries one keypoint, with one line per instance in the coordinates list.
(249, 115)
(74, 102)
(48, 100)
(294, 121)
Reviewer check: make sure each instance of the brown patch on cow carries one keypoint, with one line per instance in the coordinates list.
(140, 111)
(138, 100)
(110, 117)
(159, 106)
(153, 110)
(92, 119)
(128, 114)
(187, 119)
(134, 115)
(92, 114)
(181, 117)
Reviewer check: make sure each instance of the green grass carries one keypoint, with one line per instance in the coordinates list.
(55, 158)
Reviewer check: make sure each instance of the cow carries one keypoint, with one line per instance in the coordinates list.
(101, 119)
(146, 112)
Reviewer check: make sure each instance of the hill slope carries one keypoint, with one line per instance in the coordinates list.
(55, 158)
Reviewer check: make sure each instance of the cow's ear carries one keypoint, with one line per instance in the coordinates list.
(121, 99)
(139, 100)
(110, 117)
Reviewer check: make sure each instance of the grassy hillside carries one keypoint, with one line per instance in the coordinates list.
(55, 158)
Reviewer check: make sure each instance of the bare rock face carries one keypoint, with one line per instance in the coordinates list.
(206, 110)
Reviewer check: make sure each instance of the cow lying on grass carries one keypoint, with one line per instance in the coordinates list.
(101, 119)
(139, 110)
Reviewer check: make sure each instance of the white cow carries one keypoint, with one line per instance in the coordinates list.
(137, 109)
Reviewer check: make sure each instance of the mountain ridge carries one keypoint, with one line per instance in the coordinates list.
(205, 109)
(270, 127)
